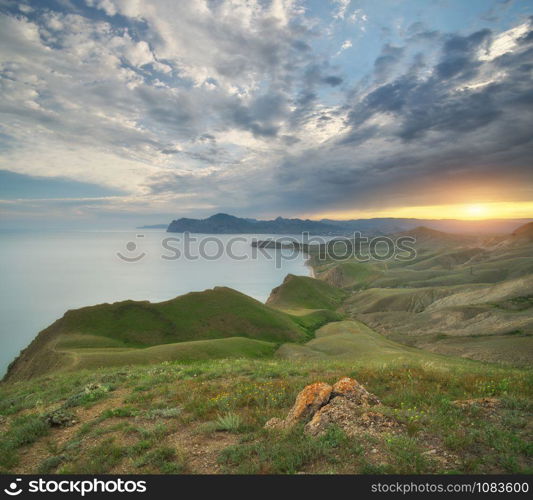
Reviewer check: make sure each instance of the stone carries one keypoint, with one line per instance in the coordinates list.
(275, 423)
(351, 417)
(345, 405)
(340, 411)
(307, 403)
(60, 418)
(354, 391)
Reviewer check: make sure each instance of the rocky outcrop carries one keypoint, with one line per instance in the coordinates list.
(350, 389)
(352, 418)
(346, 404)
(307, 403)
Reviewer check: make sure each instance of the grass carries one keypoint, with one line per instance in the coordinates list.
(305, 293)
(164, 460)
(217, 313)
(24, 431)
(229, 422)
(233, 347)
(288, 454)
(238, 396)
(201, 325)
(98, 459)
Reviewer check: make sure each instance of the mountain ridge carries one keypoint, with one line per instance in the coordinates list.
(222, 223)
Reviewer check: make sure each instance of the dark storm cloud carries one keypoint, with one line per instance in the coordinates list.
(390, 56)
(471, 119)
(436, 103)
(332, 80)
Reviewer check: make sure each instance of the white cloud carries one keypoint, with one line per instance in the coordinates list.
(81, 101)
(504, 42)
(342, 6)
(359, 17)
(106, 5)
(345, 45)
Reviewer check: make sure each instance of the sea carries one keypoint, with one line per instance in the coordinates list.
(45, 273)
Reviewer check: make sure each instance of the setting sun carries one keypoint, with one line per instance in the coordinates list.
(487, 210)
(476, 211)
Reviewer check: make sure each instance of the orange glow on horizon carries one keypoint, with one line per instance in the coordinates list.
(465, 211)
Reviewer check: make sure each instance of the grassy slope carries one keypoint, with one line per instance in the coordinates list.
(450, 299)
(220, 312)
(349, 274)
(126, 329)
(232, 347)
(353, 340)
(306, 293)
(207, 416)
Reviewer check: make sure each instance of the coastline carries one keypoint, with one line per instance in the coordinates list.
(153, 279)
(308, 264)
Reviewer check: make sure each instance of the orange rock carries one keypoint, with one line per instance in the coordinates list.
(351, 389)
(345, 385)
(351, 417)
(307, 403)
(320, 405)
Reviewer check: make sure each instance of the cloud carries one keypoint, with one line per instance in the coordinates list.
(358, 17)
(345, 45)
(427, 136)
(242, 106)
(341, 8)
(390, 56)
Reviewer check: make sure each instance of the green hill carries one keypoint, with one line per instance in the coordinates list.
(231, 347)
(349, 274)
(352, 340)
(216, 313)
(121, 328)
(302, 292)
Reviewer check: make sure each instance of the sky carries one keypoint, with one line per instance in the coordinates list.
(142, 111)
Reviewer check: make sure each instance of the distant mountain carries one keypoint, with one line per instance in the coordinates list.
(229, 224)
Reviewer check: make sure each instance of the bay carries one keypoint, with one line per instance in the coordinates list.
(45, 273)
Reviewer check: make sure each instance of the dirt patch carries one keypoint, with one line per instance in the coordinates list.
(485, 403)
(202, 449)
(32, 456)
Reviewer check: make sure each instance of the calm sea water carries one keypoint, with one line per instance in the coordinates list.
(43, 274)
